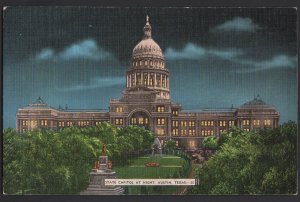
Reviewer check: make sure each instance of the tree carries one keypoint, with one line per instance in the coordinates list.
(170, 145)
(44, 161)
(210, 143)
(262, 162)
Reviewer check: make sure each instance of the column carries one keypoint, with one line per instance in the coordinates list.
(155, 82)
(135, 78)
(148, 78)
(129, 80)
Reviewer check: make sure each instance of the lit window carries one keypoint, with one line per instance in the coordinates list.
(119, 121)
(133, 120)
(161, 121)
(141, 120)
(160, 131)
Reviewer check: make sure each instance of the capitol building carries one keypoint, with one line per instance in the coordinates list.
(146, 101)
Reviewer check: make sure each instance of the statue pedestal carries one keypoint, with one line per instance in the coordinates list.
(97, 184)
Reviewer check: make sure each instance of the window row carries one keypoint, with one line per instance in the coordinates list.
(187, 123)
(207, 123)
(148, 80)
(149, 62)
(267, 122)
(205, 133)
(34, 122)
(139, 120)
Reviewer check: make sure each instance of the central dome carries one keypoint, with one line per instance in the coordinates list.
(147, 47)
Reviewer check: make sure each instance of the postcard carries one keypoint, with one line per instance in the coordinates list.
(149, 101)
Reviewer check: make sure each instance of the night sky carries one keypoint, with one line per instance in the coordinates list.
(216, 56)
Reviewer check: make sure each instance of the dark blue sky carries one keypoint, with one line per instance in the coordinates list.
(216, 56)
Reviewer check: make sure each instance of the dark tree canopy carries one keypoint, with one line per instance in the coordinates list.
(59, 162)
(263, 162)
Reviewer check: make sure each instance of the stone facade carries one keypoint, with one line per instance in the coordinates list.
(146, 101)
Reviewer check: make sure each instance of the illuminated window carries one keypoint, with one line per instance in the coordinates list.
(160, 131)
(119, 121)
(175, 112)
(246, 122)
(175, 123)
(160, 109)
(119, 109)
(175, 132)
(161, 121)
(256, 122)
(23, 123)
(141, 120)
(267, 122)
(133, 120)
(231, 123)
(146, 120)
(176, 143)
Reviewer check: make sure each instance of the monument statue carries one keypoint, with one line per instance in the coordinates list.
(102, 170)
(103, 150)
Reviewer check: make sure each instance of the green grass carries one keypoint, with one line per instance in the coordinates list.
(137, 170)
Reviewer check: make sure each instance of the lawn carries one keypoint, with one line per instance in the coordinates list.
(169, 164)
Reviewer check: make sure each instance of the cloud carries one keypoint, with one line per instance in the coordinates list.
(98, 82)
(237, 24)
(195, 52)
(86, 49)
(190, 51)
(276, 62)
(45, 54)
